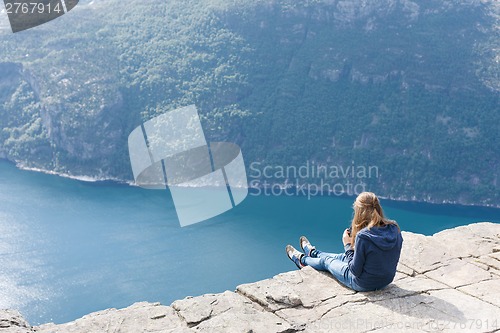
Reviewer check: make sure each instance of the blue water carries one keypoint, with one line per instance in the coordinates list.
(68, 248)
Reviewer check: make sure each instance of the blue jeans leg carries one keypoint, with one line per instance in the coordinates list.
(336, 264)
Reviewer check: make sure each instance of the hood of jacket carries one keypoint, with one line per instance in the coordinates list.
(385, 238)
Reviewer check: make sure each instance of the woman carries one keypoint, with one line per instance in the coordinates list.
(372, 249)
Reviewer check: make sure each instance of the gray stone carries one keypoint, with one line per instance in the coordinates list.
(488, 291)
(140, 317)
(423, 253)
(306, 287)
(405, 287)
(364, 316)
(456, 273)
(228, 312)
(476, 262)
(402, 268)
(492, 261)
(12, 321)
(470, 240)
(302, 317)
(464, 312)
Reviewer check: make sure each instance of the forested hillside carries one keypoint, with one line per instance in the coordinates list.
(411, 87)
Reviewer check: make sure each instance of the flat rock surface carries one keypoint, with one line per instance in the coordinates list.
(448, 282)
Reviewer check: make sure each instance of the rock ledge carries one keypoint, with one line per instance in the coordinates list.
(446, 282)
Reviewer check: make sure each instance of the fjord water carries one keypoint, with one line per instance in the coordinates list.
(68, 248)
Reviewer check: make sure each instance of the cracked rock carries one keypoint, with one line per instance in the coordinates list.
(12, 322)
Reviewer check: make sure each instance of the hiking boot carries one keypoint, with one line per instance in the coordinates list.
(294, 255)
(306, 246)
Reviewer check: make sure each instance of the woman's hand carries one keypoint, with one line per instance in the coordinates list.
(346, 239)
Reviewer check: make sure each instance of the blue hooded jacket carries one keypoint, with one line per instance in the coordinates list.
(374, 261)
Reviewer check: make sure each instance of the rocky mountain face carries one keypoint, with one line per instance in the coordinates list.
(410, 87)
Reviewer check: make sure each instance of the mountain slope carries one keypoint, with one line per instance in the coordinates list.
(410, 87)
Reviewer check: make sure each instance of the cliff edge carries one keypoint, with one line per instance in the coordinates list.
(446, 282)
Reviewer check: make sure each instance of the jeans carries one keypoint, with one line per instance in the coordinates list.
(336, 264)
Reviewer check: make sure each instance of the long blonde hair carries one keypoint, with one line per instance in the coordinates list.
(367, 213)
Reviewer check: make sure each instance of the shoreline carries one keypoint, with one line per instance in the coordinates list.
(118, 181)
